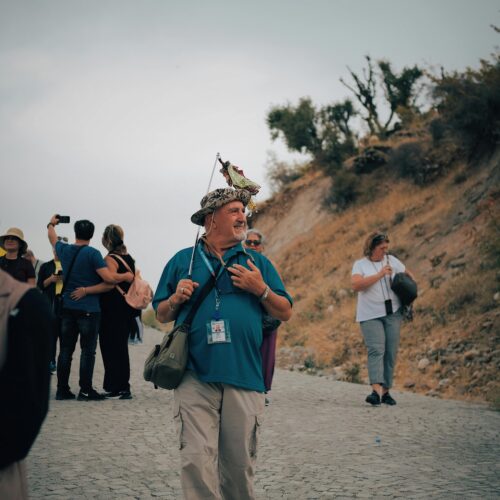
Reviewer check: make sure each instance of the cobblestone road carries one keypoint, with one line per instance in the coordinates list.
(319, 440)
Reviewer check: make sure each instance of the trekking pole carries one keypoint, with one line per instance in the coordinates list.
(217, 158)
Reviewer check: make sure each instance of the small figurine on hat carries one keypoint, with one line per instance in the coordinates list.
(236, 178)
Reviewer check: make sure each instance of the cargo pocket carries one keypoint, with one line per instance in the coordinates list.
(179, 424)
(254, 437)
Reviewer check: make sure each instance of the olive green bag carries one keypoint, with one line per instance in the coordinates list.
(166, 364)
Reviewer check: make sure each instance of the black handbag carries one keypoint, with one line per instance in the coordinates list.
(166, 364)
(405, 288)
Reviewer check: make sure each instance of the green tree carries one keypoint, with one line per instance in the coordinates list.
(469, 106)
(400, 92)
(325, 134)
(296, 125)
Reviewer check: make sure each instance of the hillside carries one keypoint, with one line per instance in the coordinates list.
(447, 235)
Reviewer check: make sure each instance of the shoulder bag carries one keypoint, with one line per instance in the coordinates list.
(166, 364)
(405, 288)
(58, 299)
(139, 294)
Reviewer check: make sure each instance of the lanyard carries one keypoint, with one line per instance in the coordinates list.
(218, 299)
(383, 279)
(209, 266)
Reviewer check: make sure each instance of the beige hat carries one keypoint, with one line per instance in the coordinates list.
(14, 231)
(216, 199)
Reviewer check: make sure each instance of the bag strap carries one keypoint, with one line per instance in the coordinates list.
(201, 297)
(118, 287)
(124, 262)
(67, 275)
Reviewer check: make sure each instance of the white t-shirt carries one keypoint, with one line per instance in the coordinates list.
(371, 301)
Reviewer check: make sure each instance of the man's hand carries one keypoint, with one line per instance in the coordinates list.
(183, 292)
(168, 308)
(249, 280)
(54, 278)
(78, 293)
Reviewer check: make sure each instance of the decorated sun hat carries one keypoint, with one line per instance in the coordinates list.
(216, 199)
(16, 232)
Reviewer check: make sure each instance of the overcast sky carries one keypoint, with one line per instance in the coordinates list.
(114, 111)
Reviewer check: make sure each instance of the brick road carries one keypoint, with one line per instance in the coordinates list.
(319, 440)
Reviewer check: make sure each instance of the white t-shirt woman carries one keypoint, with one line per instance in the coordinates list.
(371, 301)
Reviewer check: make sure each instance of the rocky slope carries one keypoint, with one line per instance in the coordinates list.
(447, 233)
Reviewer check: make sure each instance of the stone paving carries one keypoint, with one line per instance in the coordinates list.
(319, 440)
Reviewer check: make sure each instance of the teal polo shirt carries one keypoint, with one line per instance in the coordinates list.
(238, 362)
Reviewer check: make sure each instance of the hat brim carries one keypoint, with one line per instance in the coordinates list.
(198, 218)
(240, 195)
(23, 246)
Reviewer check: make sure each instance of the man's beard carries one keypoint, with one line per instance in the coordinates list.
(240, 236)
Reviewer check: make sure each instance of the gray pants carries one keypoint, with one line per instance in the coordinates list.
(382, 341)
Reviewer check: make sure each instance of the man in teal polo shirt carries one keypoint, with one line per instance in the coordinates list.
(221, 397)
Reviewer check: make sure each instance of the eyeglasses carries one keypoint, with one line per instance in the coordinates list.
(252, 243)
(13, 238)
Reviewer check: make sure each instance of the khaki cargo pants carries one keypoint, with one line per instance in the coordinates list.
(218, 427)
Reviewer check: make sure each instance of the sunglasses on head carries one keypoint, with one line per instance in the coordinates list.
(379, 238)
(252, 243)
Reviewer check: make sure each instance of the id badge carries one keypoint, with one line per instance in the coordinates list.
(218, 331)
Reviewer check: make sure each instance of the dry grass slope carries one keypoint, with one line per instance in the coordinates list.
(447, 233)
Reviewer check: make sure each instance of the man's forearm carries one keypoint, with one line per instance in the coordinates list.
(277, 306)
(51, 232)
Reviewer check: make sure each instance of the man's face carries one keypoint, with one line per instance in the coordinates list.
(230, 222)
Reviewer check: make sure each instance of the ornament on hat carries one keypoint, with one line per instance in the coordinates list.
(236, 178)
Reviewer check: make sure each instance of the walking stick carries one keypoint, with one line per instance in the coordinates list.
(217, 158)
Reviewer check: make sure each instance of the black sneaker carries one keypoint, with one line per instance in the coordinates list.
(112, 394)
(373, 399)
(125, 395)
(388, 399)
(91, 395)
(63, 394)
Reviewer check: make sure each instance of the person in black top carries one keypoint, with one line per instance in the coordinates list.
(12, 262)
(50, 282)
(117, 317)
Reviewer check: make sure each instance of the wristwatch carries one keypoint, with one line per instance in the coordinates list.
(263, 297)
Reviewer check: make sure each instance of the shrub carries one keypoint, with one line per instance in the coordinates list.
(469, 105)
(309, 362)
(280, 174)
(398, 218)
(460, 302)
(344, 190)
(352, 374)
(410, 160)
(370, 159)
(438, 130)
(459, 178)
